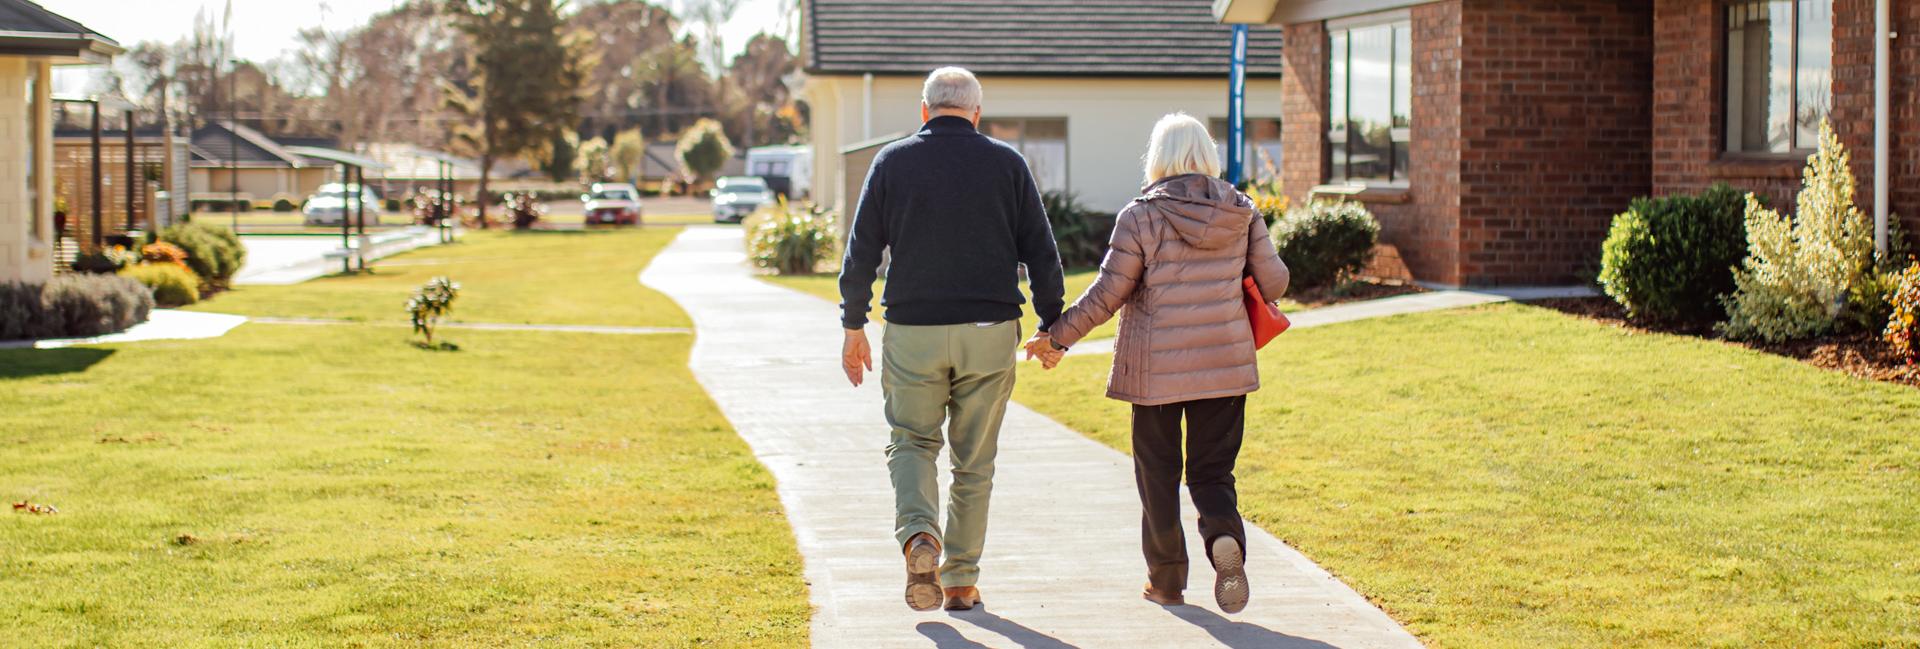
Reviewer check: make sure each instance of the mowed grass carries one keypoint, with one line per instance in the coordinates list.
(827, 287)
(1512, 477)
(292, 485)
(576, 277)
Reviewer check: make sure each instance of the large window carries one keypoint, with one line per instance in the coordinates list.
(1042, 140)
(1370, 76)
(1262, 154)
(1779, 74)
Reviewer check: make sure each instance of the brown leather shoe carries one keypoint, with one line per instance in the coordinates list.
(963, 598)
(923, 572)
(1161, 597)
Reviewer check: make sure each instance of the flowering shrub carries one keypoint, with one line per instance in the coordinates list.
(429, 304)
(161, 252)
(1800, 272)
(1904, 325)
(793, 242)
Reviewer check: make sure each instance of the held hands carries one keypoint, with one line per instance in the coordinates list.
(855, 354)
(1041, 346)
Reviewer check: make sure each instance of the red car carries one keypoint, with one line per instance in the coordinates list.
(612, 204)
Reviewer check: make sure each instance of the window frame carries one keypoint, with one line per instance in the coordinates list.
(1723, 40)
(1066, 142)
(1398, 137)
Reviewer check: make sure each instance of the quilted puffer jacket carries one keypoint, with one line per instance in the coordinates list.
(1173, 275)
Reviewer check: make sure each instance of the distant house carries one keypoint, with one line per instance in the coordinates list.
(1076, 85)
(32, 40)
(411, 167)
(234, 162)
(1496, 140)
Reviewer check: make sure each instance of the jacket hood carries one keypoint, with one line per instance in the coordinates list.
(1205, 211)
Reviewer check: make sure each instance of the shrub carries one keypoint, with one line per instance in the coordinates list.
(161, 252)
(432, 301)
(1079, 233)
(1671, 259)
(703, 149)
(214, 253)
(1270, 205)
(104, 262)
(1903, 325)
(793, 242)
(172, 284)
(1325, 242)
(283, 205)
(1800, 273)
(72, 306)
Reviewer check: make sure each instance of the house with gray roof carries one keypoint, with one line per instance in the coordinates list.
(32, 41)
(1076, 85)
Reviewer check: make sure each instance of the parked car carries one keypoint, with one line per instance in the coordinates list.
(734, 197)
(335, 203)
(615, 203)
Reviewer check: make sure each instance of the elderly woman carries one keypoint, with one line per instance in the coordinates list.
(1185, 351)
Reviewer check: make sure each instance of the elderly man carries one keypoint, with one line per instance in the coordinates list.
(961, 213)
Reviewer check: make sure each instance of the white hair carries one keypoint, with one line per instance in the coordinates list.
(1180, 145)
(951, 88)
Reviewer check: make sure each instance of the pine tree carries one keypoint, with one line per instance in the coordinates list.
(704, 149)
(1800, 270)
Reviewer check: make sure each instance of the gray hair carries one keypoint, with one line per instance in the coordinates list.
(951, 88)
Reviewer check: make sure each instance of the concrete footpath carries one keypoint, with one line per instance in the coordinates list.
(1062, 566)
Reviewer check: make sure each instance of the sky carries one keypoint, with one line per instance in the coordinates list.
(266, 29)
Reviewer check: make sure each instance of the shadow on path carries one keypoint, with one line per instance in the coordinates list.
(946, 637)
(1019, 633)
(1242, 635)
(24, 363)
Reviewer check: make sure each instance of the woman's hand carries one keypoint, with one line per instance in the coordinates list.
(1041, 346)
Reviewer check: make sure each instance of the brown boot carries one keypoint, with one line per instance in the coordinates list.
(963, 598)
(923, 572)
(1161, 597)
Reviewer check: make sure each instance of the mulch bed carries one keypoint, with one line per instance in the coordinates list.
(1355, 291)
(1859, 354)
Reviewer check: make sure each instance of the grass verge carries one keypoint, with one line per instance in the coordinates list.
(1512, 477)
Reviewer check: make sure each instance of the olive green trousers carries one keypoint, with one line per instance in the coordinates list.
(960, 375)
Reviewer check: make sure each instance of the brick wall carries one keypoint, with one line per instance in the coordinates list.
(1426, 229)
(1303, 109)
(1555, 133)
(1689, 82)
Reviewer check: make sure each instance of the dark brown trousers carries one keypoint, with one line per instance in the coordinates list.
(1214, 429)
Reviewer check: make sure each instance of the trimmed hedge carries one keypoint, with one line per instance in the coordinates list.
(172, 284)
(1670, 259)
(1325, 242)
(213, 252)
(72, 306)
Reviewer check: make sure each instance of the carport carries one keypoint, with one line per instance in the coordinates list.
(353, 175)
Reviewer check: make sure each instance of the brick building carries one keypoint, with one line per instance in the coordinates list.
(32, 41)
(1496, 139)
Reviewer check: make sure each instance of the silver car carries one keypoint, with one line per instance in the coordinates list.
(735, 197)
(334, 204)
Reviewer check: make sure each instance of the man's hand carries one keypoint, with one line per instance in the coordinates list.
(1041, 346)
(856, 357)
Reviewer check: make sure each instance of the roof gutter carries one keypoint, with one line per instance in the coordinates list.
(83, 47)
(1882, 114)
(1289, 12)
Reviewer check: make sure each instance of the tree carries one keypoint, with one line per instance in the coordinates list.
(527, 82)
(761, 76)
(593, 162)
(703, 149)
(562, 154)
(628, 151)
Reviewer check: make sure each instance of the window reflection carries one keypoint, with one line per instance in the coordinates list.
(1370, 76)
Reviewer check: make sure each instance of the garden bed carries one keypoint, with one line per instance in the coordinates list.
(1859, 354)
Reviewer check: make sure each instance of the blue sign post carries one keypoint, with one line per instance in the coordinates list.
(1236, 106)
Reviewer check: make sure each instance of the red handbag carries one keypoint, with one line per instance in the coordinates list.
(1267, 320)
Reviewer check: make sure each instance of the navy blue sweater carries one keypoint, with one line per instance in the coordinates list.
(961, 212)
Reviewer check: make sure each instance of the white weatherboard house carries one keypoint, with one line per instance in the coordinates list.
(32, 40)
(1076, 85)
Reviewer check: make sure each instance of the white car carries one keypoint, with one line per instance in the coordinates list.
(615, 203)
(734, 197)
(335, 203)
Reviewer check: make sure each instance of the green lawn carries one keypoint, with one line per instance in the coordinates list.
(827, 287)
(1512, 477)
(516, 277)
(294, 485)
